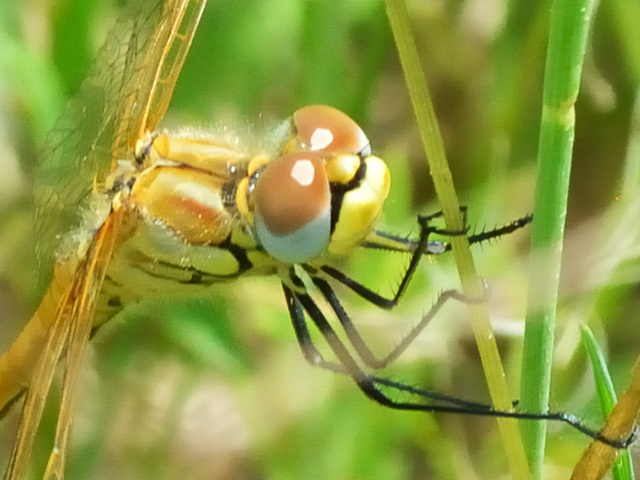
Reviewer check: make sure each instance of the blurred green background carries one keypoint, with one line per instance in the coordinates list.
(217, 388)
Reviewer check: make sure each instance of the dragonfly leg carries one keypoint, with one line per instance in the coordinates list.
(387, 303)
(309, 350)
(486, 235)
(381, 240)
(425, 222)
(422, 247)
(315, 358)
(360, 346)
(386, 241)
(300, 301)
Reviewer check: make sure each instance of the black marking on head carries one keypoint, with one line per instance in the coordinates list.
(338, 191)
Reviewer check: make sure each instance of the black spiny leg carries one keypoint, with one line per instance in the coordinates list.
(315, 358)
(422, 246)
(380, 240)
(365, 353)
(309, 350)
(299, 301)
(360, 346)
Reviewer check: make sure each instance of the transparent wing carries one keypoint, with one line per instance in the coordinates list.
(69, 331)
(153, 67)
(80, 324)
(124, 96)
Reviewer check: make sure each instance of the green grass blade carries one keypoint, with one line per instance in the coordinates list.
(623, 467)
(567, 41)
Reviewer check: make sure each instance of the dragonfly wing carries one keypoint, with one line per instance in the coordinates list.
(82, 148)
(37, 393)
(154, 73)
(85, 296)
(124, 95)
(71, 329)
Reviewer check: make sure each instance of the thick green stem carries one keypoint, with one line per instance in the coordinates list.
(570, 20)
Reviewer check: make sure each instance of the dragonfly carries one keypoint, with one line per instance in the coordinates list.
(164, 212)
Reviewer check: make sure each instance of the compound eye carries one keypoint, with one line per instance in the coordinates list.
(293, 207)
(324, 128)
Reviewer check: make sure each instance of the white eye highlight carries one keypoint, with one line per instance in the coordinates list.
(303, 172)
(321, 138)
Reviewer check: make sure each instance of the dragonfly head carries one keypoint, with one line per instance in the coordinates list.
(324, 193)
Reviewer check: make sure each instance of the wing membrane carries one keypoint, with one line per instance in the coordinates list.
(71, 328)
(157, 70)
(124, 95)
(36, 395)
(80, 324)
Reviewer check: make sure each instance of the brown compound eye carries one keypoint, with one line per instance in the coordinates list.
(293, 207)
(324, 128)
